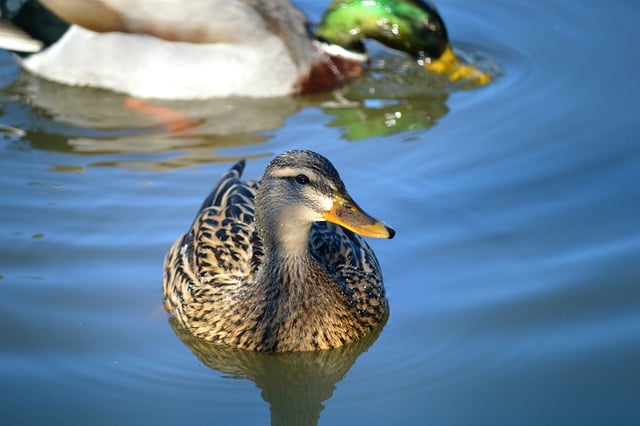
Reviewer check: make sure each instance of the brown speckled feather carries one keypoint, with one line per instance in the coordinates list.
(210, 280)
(350, 260)
(219, 255)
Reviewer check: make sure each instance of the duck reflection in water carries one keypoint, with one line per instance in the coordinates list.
(94, 122)
(294, 384)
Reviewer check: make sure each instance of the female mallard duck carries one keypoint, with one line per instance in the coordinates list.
(262, 269)
(176, 49)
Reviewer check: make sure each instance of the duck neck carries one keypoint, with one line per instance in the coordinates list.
(287, 239)
(287, 260)
(287, 271)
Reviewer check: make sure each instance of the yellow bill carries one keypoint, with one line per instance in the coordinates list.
(449, 65)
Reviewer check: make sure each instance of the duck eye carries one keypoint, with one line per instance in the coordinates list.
(302, 179)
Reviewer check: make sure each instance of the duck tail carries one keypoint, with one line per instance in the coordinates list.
(227, 184)
(37, 27)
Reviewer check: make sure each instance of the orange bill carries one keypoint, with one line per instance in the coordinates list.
(346, 213)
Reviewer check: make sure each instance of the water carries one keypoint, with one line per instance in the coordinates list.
(513, 280)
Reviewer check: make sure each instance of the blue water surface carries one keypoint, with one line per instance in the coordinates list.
(514, 278)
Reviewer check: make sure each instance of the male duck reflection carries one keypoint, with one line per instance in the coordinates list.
(176, 49)
(262, 269)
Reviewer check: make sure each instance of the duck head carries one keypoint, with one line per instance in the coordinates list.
(301, 187)
(412, 26)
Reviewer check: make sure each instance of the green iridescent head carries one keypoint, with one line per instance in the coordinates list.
(412, 26)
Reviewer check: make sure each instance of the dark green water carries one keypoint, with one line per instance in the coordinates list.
(514, 279)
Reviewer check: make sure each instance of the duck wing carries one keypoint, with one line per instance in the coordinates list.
(220, 253)
(193, 21)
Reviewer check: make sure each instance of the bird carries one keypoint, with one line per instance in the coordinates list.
(172, 49)
(278, 265)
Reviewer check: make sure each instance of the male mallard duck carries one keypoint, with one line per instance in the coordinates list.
(176, 49)
(262, 269)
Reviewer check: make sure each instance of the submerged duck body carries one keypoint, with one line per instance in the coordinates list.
(263, 268)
